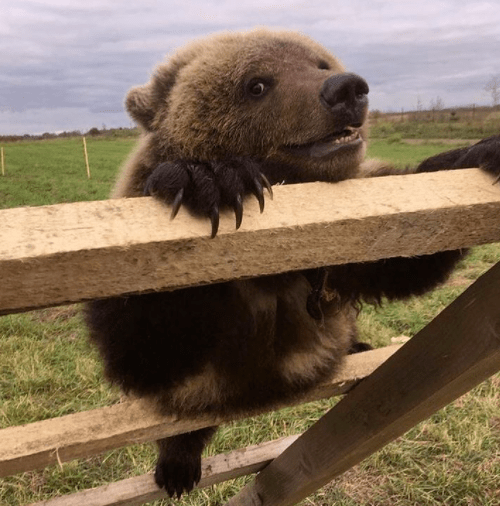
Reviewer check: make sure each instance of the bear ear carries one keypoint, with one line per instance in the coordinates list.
(140, 105)
(144, 102)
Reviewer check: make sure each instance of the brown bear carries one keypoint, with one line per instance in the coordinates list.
(225, 118)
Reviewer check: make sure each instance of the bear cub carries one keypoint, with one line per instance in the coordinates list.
(223, 119)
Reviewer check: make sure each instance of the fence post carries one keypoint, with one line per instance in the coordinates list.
(86, 157)
(2, 156)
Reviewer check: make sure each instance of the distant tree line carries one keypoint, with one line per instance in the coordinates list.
(472, 122)
(437, 112)
(93, 132)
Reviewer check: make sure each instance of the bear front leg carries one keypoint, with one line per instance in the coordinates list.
(206, 187)
(399, 278)
(485, 154)
(392, 278)
(178, 468)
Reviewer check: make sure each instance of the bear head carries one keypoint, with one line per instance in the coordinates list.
(276, 96)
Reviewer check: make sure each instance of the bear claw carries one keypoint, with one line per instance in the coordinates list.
(214, 218)
(267, 184)
(238, 210)
(259, 193)
(176, 480)
(176, 204)
(204, 188)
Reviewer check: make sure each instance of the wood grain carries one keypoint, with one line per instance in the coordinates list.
(140, 489)
(36, 445)
(456, 351)
(64, 253)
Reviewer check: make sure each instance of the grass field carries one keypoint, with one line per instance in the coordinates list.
(46, 172)
(48, 369)
(53, 171)
(465, 123)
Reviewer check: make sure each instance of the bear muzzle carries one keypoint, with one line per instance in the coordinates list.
(345, 92)
(349, 138)
(344, 96)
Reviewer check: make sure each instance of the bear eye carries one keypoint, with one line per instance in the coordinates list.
(323, 65)
(258, 87)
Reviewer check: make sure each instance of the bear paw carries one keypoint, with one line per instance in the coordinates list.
(359, 347)
(485, 154)
(177, 474)
(206, 187)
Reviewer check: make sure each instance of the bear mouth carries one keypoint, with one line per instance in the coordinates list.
(349, 137)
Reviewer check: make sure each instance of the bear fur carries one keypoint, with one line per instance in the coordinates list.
(223, 119)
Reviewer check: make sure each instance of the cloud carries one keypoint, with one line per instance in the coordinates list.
(59, 119)
(58, 55)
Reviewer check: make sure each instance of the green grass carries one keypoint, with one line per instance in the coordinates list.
(442, 128)
(48, 369)
(404, 154)
(43, 172)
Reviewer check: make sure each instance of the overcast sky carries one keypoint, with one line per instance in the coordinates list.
(66, 64)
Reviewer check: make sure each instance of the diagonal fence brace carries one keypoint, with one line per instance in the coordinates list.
(458, 350)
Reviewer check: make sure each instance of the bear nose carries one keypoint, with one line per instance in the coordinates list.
(345, 93)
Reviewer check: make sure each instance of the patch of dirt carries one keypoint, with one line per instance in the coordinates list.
(459, 281)
(61, 313)
(441, 141)
(400, 339)
(358, 484)
(36, 481)
(495, 424)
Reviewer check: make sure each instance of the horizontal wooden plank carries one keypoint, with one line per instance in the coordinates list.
(71, 252)
(140, 489)
(39, 444)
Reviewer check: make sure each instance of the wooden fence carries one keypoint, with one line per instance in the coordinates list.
(66, 253)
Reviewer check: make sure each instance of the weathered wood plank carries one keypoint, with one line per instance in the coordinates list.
(65, 253)
(456, 351)
(39, 444)
(141, 489)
